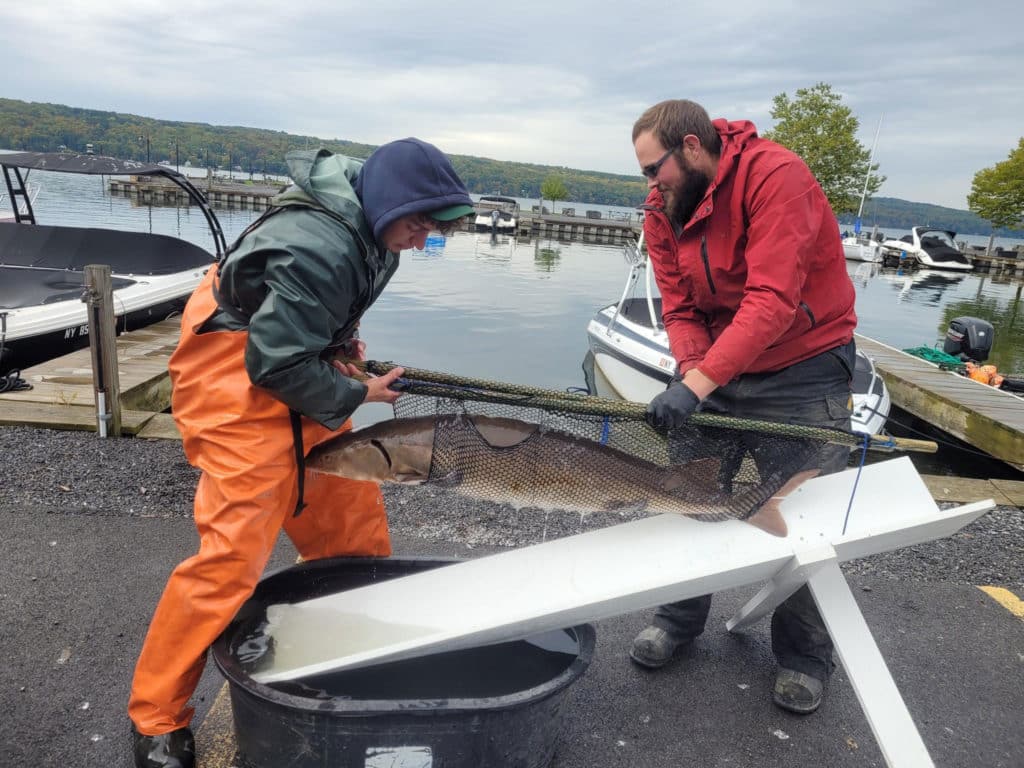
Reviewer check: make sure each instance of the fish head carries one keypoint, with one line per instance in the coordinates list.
(393, 451)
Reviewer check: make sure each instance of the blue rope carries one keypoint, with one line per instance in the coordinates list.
(860, 466)
(605, 430)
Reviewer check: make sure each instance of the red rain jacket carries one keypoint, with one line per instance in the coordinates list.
(757, 279)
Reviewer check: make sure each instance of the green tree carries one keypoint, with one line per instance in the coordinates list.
(553, 188)
(997, 193)
(823, 132)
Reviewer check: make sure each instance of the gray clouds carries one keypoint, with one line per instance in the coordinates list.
(554, 83)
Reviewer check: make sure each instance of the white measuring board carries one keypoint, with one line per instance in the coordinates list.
(612, 571)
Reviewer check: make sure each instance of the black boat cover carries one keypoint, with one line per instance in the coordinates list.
(33, 287)
(127, 253)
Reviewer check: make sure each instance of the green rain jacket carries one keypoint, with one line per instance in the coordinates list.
(303, 275)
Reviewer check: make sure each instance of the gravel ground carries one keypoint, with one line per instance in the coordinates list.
(75, 473)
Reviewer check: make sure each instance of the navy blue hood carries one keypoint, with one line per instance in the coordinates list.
(407, 176)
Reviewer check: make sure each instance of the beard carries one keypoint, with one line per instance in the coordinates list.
(682, 199)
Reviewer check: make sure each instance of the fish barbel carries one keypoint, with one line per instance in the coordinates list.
(510, 461)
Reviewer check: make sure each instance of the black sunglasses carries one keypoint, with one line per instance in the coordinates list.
(651, 171)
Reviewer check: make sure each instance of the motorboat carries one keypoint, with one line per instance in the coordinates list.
(629, 355)
(932, 248)
(862, 248)
(496, 214)
(42, 314)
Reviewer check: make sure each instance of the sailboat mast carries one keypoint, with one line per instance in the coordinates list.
(867, 175)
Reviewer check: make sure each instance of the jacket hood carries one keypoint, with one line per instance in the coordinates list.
(407, 176)
(327, 179)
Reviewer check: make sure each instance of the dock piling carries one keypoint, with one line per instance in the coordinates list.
(99, 298)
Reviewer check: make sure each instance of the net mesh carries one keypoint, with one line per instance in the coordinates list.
(552, 450)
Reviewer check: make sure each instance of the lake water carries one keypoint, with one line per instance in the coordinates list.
(516, 310)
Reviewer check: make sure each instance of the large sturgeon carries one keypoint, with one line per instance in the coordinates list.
(510, 461)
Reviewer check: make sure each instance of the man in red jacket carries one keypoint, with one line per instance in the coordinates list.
(759, 311)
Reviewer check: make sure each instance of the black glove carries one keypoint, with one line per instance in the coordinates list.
(673, 407)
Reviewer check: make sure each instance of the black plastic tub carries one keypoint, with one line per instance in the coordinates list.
(497, 706)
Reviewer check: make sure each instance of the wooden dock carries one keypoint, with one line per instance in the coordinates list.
(62, 394)
(568, 226)
(221, 193)
(987, 418)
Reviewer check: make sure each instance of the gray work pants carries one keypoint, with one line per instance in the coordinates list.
(815, 392)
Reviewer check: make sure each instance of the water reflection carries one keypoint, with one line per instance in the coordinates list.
(494, 248)
(862, 271)
(546, 258)
(929, 286)
(907, 309)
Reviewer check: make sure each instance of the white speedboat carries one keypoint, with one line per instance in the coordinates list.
(496, 214)
(42, 314)
(629, 354)
(932, 248)
(861, 248)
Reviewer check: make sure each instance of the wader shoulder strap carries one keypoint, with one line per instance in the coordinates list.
(234, 312)
(300, 458)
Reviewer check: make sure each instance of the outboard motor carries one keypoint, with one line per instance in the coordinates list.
(969, 338)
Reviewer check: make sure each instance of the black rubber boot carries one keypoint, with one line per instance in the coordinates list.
(176, 749)
(797, 692)
(654, 647)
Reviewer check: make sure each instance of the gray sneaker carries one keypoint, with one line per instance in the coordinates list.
(654, 647)
(797, 692)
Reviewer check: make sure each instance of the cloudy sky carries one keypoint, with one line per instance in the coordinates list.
(557, 82)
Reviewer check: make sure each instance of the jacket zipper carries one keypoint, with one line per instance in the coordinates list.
(810, 314)
(707, 264)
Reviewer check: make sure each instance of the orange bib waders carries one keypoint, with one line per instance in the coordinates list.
(241, 439)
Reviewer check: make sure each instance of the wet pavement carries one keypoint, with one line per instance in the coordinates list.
(77, 591)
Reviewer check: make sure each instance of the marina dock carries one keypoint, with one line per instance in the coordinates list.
(985, 417)
(62, 397)
(220, 192)
(589, 226)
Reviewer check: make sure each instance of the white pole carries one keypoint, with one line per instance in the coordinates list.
(867, 175)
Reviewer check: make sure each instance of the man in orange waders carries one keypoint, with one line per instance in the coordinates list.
(256, 386)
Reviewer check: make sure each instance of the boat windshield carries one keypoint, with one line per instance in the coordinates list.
(937, 237)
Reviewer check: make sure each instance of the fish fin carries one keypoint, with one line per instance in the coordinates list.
(452, 480)
(503, 433)
(769, 519)
(769, 516)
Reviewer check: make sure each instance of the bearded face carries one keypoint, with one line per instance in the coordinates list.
(683, 197)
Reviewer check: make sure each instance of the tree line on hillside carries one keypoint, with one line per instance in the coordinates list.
(814, 124)
(38, 127)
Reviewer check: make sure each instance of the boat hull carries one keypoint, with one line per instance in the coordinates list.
(37, 348)
(632, 361)
(859, 250)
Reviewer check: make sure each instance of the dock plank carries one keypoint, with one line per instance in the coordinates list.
(983, 416)
(71, 417)
(142, 370)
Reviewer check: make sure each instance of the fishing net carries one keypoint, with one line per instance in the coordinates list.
(557, 450)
